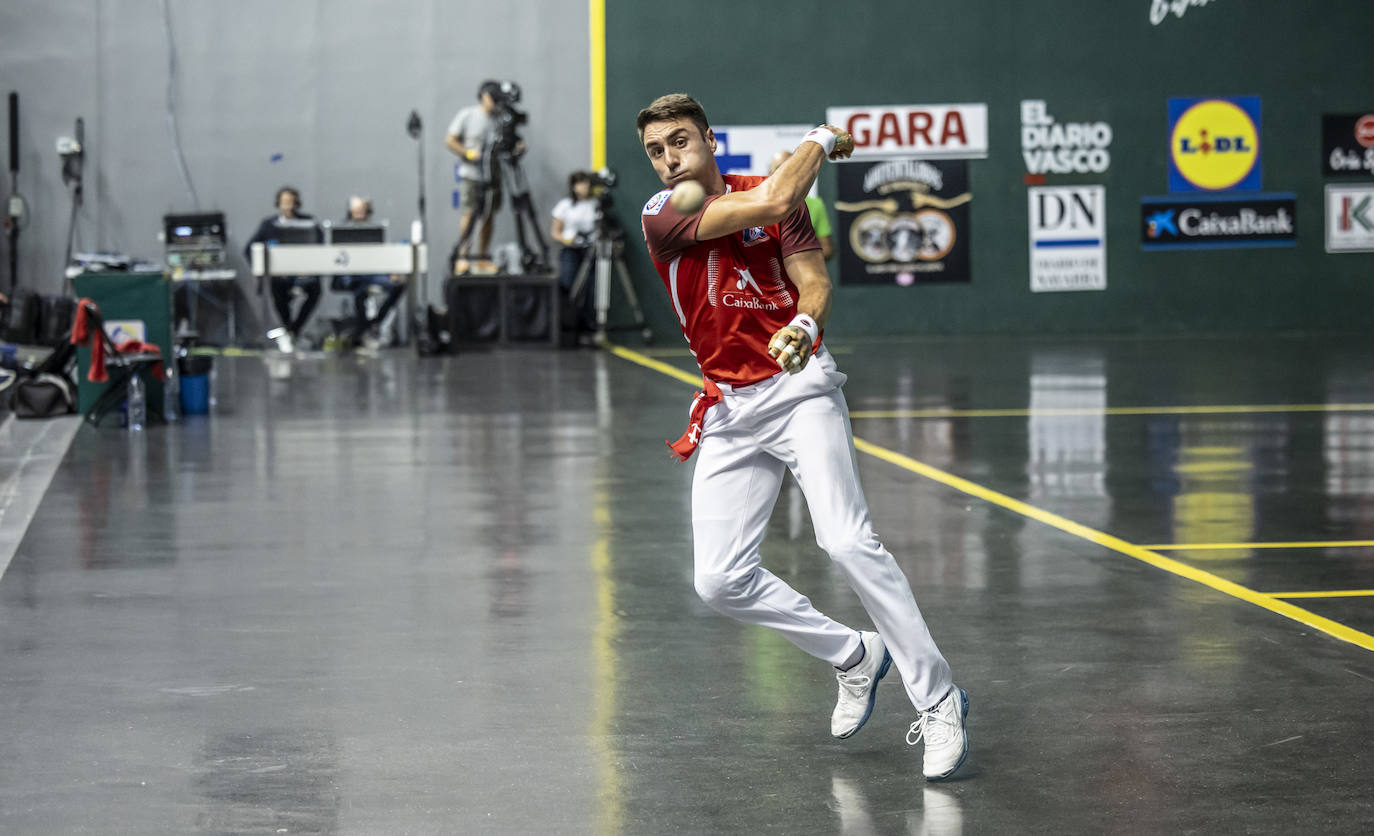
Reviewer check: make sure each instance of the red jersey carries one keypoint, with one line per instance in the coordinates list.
(730, 294)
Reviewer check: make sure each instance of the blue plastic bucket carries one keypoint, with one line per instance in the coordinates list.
(195, 394)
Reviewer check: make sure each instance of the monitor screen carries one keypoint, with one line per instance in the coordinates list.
(298, 232)
(358, 234)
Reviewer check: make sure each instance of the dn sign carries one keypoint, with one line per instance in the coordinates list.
(1214, 144)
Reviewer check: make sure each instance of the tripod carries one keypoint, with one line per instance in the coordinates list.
(507, 166)
(607, 255)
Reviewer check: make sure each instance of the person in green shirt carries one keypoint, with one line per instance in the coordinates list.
(820, 219)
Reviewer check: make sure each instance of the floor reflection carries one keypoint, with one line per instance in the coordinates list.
(940, 814)
(269, 780)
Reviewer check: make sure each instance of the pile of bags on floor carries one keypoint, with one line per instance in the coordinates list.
(44, 388)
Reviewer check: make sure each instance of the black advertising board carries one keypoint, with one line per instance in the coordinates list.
(1178, 222)
(904, 222)
(1348, 145)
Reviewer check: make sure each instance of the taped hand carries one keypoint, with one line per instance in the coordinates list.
(791, 347)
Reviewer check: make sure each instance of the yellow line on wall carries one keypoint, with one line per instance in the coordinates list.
(1338, 593)
(597, 17)
(1116, 544)
(1296, 544)
(1220, 409)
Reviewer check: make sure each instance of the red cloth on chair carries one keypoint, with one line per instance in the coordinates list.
(86, 328)
(137, 347)
(83, 331)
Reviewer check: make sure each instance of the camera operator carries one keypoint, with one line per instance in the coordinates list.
(472, 137)
(575, 221)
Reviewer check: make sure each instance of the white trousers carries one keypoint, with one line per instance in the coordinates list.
(800, 423)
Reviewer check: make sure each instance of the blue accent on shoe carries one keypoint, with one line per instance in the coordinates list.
(873, 695)
(963, 720)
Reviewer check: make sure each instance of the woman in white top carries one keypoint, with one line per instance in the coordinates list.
(575, 220)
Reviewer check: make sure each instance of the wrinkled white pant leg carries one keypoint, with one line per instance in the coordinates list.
(734, 488)
(816, 441)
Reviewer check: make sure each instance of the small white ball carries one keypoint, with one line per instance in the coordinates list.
(687, 197)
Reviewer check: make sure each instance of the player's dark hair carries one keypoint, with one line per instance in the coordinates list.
(670, 107)
(575, 178)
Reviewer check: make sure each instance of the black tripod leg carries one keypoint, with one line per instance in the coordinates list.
(580, 280)
(629, 288)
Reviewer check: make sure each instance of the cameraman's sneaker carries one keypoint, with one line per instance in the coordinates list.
(944, 730)
(859, 687)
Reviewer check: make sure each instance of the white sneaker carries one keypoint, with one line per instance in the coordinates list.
(859, 687)
(945, 733)
(282, 338)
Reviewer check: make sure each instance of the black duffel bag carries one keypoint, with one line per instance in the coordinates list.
(44, 395)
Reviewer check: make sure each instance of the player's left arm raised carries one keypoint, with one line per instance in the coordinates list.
(793, 344)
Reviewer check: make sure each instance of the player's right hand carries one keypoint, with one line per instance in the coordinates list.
(791, 347)
(844, 143)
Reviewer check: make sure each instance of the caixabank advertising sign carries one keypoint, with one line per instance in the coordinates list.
(1180, 222)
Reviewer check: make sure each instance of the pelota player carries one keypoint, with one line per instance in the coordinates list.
(750, 290)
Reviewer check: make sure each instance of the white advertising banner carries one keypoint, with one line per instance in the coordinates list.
(1068, 238)
(747, 149)
(1349, 218)
(944, 131)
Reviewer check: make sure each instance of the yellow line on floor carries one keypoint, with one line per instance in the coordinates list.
(1144, 555)
(1220, 409)
(1116, 544)
(656, 365)
(1296, 544)
(1338, 593)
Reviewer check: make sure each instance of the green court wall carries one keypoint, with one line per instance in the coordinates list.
(1090, 60)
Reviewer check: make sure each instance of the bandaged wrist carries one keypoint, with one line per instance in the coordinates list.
(823, 137)
(806, 324)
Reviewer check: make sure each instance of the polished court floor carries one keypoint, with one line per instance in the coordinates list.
(403, 596)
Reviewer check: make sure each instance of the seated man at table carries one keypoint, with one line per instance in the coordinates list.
(364, 330)
(289, 225)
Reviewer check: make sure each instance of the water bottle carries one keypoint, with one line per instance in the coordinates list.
(138, 404)
(171, 392)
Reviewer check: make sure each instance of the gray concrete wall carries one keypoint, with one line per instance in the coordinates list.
(324, 88)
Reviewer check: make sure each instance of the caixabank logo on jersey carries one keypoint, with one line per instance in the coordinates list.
(1214, 144)
(1218, 221)
(904, 221)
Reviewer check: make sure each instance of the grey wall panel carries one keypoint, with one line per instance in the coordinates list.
(315, 94)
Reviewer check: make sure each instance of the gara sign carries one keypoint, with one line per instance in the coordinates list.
(947, 131)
